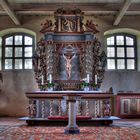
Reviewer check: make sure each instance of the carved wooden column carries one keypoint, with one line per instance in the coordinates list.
(67, 107)
(87, 108)
(97, 112)
(43, 108)
(79, 108)
(101, 108)
(59, 23)
(89, 59)
(51, 107)
(49, 56)
(59, 107)
(37, 108)
(78, 24)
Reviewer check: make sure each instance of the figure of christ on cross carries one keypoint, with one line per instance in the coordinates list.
(68, 65)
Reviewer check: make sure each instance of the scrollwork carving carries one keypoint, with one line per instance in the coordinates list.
(90, 26)
(99, 61)
(39, 60)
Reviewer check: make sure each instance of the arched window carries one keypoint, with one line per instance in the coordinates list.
(121, 52)
(17, 50)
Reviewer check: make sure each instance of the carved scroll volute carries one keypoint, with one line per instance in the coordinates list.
(91, 26)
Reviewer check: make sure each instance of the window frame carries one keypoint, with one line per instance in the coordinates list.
(115, 46)
(23, 46)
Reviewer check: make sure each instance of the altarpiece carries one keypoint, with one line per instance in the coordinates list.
(69, 52)
(68, 59)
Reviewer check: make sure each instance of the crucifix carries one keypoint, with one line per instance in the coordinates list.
(68, 58)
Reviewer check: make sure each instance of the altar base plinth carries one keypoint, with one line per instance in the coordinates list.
(72, 130)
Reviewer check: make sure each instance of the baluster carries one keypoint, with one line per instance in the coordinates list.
(67, 108)
(101, 107)
(79, 108)
(37, 108)
(59, 107)
(51, 107)
(97, 108)
(87, 108)
(43, 109)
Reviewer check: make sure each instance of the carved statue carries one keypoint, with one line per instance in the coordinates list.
(106, 109)
(32, 110)
(68, 65)
(68, 25)
(47, 26)
(90, 26)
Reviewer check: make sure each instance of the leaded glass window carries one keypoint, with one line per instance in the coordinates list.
(18, 51)
(121, 52)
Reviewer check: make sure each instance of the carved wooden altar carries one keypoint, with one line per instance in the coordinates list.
(69, 51)
(48, 106)
(69, 60)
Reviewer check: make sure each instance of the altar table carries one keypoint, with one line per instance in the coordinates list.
(45, 106)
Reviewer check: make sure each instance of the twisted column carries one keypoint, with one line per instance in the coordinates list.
(43, 109)
(59, 107)
(87, 108)
(79, 108)
(49, 55)
(97, 108)
(89, 59)
(101, 107)
(51, 107)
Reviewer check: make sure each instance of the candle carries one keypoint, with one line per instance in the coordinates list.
(96, 80)
(50, 78)
(42, 79)
(87, 78)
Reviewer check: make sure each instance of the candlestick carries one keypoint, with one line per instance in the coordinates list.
(50, 78)
(87, 78)
(42, 79)
(96, 80)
